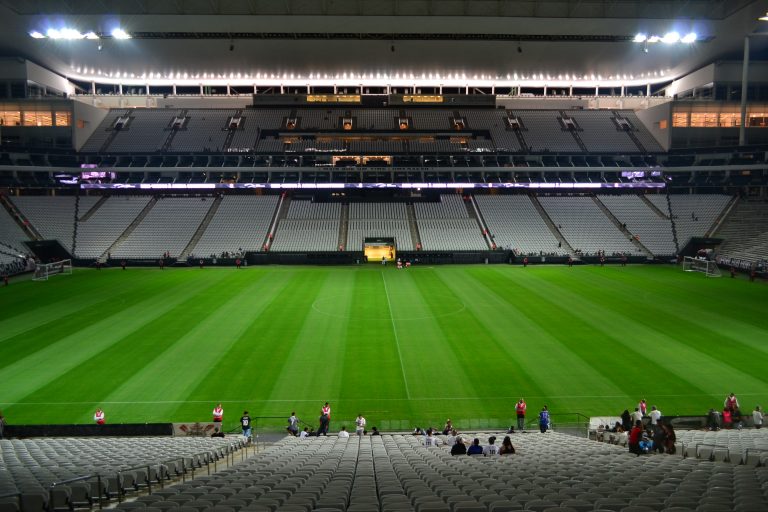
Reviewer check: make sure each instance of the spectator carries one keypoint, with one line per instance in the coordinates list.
(669, 438)
(635, 436)
(98, 416)
(360, 425)
(448, 427)
(304, 433)
(218, 414)
(452, 437)
(713, 420)
(655, 415)
(626, 420)
(245, 423)
(475, 448)
(324, 423)
(491, 449)
(659, 437)
(217, 433)
(636, 415)
(506, 447)
(757, 419)
(731, 402)
(459, 448)
(520, 411)
(293, 424)
(430, 439)
(643, 407)
(375, 431)
(727, 418)
(343, 432)
(544, 419)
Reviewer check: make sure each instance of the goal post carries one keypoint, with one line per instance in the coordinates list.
(707, 267)
(45, 270)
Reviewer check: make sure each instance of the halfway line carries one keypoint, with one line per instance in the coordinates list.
(397, 340)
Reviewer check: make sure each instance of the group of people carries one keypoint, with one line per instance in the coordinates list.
(731, 416)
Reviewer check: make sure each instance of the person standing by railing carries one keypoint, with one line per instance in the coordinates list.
(520, 411)
(218, 414)
(98, 416)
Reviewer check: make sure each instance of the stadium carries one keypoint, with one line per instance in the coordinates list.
(418, 212)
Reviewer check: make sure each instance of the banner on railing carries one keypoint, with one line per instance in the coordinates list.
(195, 429)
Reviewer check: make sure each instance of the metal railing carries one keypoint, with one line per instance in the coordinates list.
(157, 473)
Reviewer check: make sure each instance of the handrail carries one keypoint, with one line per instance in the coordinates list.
(207, 456)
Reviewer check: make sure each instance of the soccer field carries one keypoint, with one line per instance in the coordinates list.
(404, 347)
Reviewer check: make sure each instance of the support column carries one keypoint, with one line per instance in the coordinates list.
(93, 88)
(744, 84)
(648, 90)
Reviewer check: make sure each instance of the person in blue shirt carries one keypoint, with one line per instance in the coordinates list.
(544, 419)
(475, 448)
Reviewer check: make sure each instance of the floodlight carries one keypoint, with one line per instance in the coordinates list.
(670, 38)
(70, 33)
(654, 39)
(640, 38)
(53, 33)
(91, 35)
(36, 35)
(689, 38)
(119, 33)
(763, 17)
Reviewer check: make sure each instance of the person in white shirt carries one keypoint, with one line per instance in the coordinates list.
(343, 432)
(451, 439)
(304, 433)
(757, 417)
(430, 439)
(360, 425)
(636, 416)
(491, 449)
(655, 415)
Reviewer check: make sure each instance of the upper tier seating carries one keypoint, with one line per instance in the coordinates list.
(202, 129)
(600, 134)
(105, 225)
(694, 214)
(516, 224)
(543, 131)
(446, 225)
(30, 466)
(585, 226)
(309, 226)
(654, 232)
(649, 142)
(168, 226)
(745, 232)
(146, 132)
(241, 222)
(103, 131)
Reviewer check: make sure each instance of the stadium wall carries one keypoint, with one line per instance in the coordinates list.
(653, 118)
(86, 119)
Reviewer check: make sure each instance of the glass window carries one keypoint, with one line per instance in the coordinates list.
(63, 118)
(680, 120)
(38, 119)
(10, 118)
(730, 119)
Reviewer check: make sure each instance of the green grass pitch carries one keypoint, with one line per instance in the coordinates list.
(405, 348)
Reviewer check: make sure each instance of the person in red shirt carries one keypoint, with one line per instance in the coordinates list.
(98, 417)
(237, 262)
(635, 435)
(520, 411)
(525, 261)
(218, 414)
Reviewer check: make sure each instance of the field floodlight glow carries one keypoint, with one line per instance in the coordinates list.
(689, 38)
(763, 17)
(36, 35)
(640, 38)
(670, 38)
(91, 35)
(119, 33)
(654, 39)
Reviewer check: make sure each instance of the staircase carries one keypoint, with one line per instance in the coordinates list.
(723, 215)
(112, 134)
(412, 225)
(20, 219)
(280, 213)
(344, 227)
(616, 222)
(201, 229)
(174, 131)
(94, 208)
(574, 133)
(74, 223)
(631, 134)
(474, 212)
(653, 207)
(143, 213)
(552, 227)
(672, 219)
(230, 134)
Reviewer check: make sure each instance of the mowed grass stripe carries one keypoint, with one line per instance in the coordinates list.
(626, 367)
(524, 322)
(61, 355)
(432, 365)
(661, 349)
(733, 342)
(126, 361)
(260, 352)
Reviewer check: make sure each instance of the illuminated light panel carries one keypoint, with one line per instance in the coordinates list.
(119, 33)
(36, 35)
(689, 38)
(640, 38)
(670, 38)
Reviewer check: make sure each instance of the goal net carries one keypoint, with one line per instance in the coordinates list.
(45, 270)
(709, 268)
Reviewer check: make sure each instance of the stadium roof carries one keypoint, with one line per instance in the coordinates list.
(368, 41)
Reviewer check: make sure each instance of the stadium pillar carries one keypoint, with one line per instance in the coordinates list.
(744, 80)
(120, 86)
(570, 90)
(647, 90)
(93, 88)
(545, 91)
(597, 91)
(174, 89)
(622, 91)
